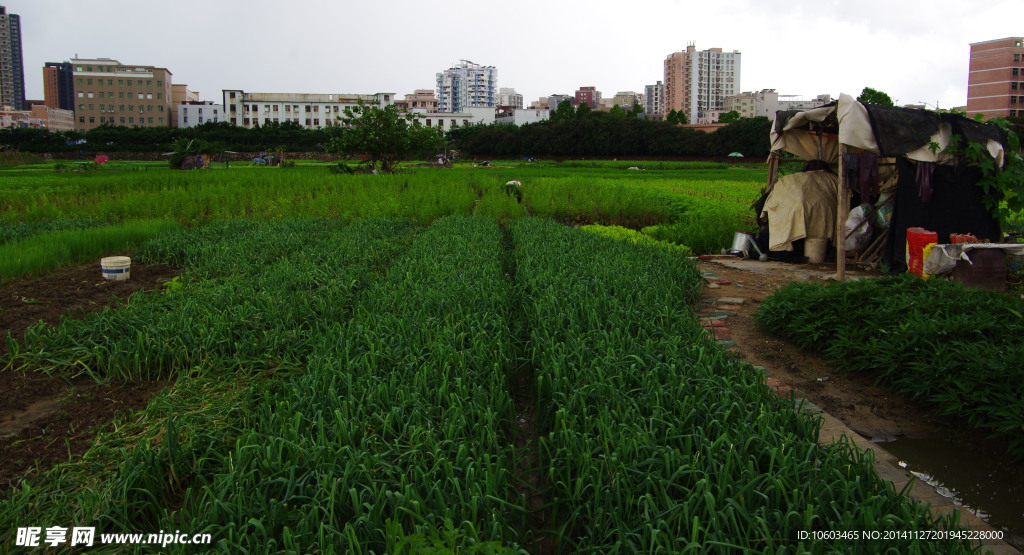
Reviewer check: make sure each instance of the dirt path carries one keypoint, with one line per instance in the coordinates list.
(869, 410)
(45, 420)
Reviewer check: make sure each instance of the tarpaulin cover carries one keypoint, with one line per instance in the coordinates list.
(801, 205)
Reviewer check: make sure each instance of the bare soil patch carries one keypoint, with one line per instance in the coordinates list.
(868, 409)
(44, 419)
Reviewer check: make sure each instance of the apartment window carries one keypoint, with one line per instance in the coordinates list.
(200, 119)
(308, 121)
(1013, 86)
(275, 109)
(246, 121)
(81, 106)
(149, 96)
(90, 95)
(92, 119)
(78, 81)
(120, 108)
(1016, 57)
(161, 83)
(139, 82)
(316, 109)
(81, 119)
(121, 120)
(88, 68)
(91, 107)
(1015, 70)
(79, 68)
(1013, 100)
(307, 109)
(131, 120)
(149, 83)
(316, 121)
(159, 96)
(288, 108)
(131, 108)
(160, 121)
(120, 83)
(151, 121)
(140, 96)
(185, 119)
(88, 81)
(120, 95)
(81, 95)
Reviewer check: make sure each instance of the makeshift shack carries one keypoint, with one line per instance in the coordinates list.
(864, 144)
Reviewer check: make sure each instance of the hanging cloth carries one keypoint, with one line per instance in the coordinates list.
(868, 176)
(923, 176)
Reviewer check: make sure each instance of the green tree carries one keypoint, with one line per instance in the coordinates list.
(729, 117)
(384, 136)
(871, 96)
(564, 111)
(582, 110)
(617, 111)
(636, 110)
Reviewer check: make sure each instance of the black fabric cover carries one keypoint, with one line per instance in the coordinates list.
(956, 206)
(902, 130)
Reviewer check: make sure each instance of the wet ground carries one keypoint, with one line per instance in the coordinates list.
(965, 467)
(44, 419)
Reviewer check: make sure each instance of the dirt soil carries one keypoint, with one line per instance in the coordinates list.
(869, 410)
(45, 420)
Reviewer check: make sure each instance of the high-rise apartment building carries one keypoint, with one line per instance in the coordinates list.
(59, 85)
(589, 96)
(467, 85)
(654, 96)
(109, 92)
(12, 70)
(995, 82)
(697, 82)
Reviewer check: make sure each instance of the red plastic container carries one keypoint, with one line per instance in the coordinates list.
(917, 239)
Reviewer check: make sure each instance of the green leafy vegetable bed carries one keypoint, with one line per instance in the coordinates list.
(958, 351)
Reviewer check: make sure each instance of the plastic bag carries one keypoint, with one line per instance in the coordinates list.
(861, 238)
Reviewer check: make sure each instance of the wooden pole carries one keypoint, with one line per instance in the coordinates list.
(842, 212)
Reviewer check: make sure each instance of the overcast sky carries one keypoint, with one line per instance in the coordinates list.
(916, 51)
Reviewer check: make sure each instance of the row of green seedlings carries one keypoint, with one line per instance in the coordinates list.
(257, 299)
(955, 350)
(200, 196)
(40, 247)
(387, 436)
(655, 440)
(394, 439)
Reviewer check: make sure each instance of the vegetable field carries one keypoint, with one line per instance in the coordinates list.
(387, 386)
(420, 363)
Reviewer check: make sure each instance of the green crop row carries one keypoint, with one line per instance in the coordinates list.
(956, 351)
(654, 439)
(358, 388)
(43, 251)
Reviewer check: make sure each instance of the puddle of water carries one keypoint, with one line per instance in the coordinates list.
(14, 423)
(989, 485)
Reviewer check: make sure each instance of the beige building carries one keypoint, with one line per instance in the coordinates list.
(53, 119)
(181, 95)
(698, 82)
(311, 111)
(112, 93)
(422, 100)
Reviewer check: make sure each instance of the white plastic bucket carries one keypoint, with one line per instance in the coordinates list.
(116, 268)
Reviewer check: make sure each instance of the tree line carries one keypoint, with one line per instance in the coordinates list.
(591, 133)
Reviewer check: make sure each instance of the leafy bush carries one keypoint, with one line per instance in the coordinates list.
(956, 350)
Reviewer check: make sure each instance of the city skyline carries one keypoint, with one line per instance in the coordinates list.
(917, 52)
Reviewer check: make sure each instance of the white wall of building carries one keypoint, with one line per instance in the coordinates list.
(522, 117)
(311, 111)
(191, 115)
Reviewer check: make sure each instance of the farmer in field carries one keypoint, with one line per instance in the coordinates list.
(802, 206)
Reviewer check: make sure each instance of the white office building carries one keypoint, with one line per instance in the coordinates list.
(311, 111)
(192, 114)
